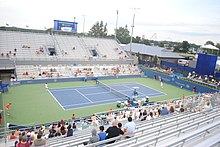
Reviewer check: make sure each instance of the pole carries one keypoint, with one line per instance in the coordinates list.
(83, 23)
(132, 29)
(116, 27)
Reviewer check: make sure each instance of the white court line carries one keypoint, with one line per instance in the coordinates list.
(97, 93)
(89, 103)
(83, 95)
(56, 100)
(159, 94)
(78, 87)
(150, 88)
(85, 87)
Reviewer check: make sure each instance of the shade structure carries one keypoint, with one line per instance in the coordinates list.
(209, 46)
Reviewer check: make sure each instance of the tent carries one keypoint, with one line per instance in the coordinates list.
(209, 46)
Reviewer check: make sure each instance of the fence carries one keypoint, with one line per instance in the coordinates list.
(177, 68)
(176, 81)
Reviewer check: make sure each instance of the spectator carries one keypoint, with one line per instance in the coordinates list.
(31, 139)
(102, 134)
(74, 128)
(164, 111)
(208, 106)
(51, 134)
(7, 107)
(95, 137)
(23, 142)
(69, 131)
(84, 124)
(1, 116)
(129, 128)
(171, 110)
(39, 141)
(113, 131)
(17, 133)
(12, 136)
(120, 126)
(58, 133)
(63, 130)
(181, 109)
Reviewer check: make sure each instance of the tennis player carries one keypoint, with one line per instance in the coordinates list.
(161, 82)
(46, 86)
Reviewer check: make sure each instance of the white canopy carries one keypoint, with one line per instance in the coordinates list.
(209, 46)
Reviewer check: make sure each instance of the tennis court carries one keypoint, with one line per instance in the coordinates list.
(76, 97)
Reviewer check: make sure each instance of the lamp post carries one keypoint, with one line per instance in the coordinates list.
(83, 24)
(116, 27)
(132, 26)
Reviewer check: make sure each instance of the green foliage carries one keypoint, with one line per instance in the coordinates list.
(123, 35)
(209, 42)
(185, 46)
(155, 59)
(98, 30)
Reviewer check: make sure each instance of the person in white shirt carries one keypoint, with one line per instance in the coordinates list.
(129, 128)
(46, 86)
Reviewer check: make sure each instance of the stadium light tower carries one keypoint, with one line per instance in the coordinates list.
(116, 27)
(83, 24)
(132, 26)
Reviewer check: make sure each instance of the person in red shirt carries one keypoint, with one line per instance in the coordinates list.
(12, 136)
(7, 107)
(1, 116)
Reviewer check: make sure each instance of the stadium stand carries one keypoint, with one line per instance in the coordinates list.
(15, 44)
(46, 55)
(26, 72)
(196, 125)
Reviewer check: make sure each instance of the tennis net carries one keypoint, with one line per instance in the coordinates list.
(113, 91)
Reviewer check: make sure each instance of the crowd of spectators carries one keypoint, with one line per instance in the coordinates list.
(209, 80)
(39, 72)
(9, 53)
(115, 123)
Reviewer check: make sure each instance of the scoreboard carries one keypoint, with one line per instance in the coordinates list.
(65, 26)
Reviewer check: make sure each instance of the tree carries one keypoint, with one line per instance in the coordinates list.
(185, 46)
(209, 42)
(98, 30)
(155, 59)
(122, 34)
(137, 39)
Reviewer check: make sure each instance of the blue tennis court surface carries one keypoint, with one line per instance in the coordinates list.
(76, 97)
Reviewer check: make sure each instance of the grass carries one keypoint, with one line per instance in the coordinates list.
(32, 104)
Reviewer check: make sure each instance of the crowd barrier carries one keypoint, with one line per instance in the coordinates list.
(177, 81)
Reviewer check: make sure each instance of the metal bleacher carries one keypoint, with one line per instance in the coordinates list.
(169, 130)
(72, 47)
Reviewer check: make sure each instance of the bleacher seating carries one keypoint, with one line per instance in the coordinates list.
(28, 45)
(66, 71)
(187, 128)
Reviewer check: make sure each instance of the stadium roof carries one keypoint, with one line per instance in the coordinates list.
(209, 46)
(151, 50)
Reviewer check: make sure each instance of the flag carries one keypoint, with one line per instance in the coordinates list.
(116, 11)
(7, 24)
(27, 26)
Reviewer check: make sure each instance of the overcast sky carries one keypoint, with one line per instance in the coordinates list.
(196, 21)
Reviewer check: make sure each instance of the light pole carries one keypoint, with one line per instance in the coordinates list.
(83, 24)
(132, 26)
(116, 27)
